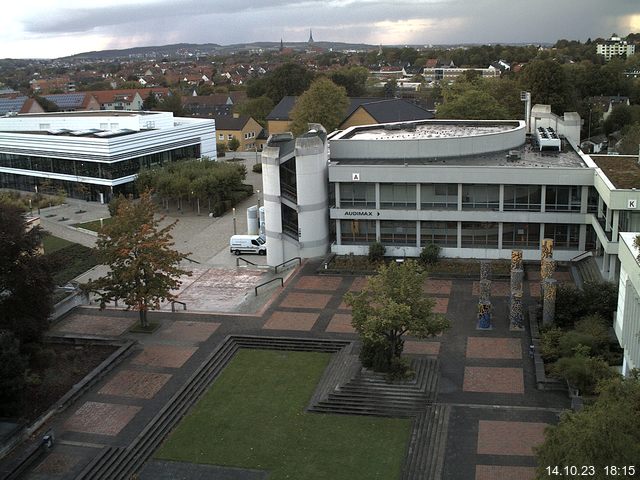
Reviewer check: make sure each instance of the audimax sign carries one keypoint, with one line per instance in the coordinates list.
(361, 213)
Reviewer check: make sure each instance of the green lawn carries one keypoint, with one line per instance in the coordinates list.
(94, 225)
(68, 259)
(253, 417)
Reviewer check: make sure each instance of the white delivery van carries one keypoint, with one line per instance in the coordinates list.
(248, 243)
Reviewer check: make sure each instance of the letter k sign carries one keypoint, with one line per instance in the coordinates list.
(632, 203)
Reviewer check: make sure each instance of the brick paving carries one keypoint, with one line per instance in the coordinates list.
(187, 331)
(318, 283)
(498, 289)
(344, 306)
(305, 300)
(301, 321)
(131, 383)
(95, 325)
(101, 418)
(164, 356)
(340, 323)
(57, 464)
(441, 306)
(415, 347)
(482, 347)
(437, 287)
(534, 289)
(493, 380)
(509, 438)
(358, 284)
(500, 472)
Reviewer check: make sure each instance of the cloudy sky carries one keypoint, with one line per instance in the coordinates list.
(54, 28)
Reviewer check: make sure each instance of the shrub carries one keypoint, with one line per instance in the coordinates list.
(221, 149)
(12, 374)
(583, 372)
(376, 252)
(430, 254)
(550, 344)
(233, 144)
(573, 304)
(573, 339)
(257, 168)
(114, 204)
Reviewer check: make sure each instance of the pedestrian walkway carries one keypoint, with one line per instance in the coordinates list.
(495, 414)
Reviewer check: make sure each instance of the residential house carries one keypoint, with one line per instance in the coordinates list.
(72, 102)
(607, 104)
(21, 104)
(245, 129)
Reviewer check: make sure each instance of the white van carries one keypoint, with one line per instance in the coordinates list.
(248, 243)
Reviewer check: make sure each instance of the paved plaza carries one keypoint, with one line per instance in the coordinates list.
(498, 416)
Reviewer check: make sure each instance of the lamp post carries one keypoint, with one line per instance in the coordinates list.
(234, 220)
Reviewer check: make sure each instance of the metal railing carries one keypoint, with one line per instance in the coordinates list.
(287, 261)
(267, 283)
(173, 305)
(581, 256)
(246, 261)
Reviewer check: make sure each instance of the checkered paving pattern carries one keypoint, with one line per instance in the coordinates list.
(437, 287)
(291, 321)
(499, 472)
(187, 331)
(358, 284)
(441, 306)
(414, 347)
(509, 438)
(57, 464)
(131, 383)
(498, 289)
(101, 418)
(95, 325)
(481, 347)
(318, 283)
(493, 380)
(305, 300)
(164, 356)
(340, 323)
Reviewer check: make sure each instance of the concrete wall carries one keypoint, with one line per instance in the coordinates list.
(567, 125)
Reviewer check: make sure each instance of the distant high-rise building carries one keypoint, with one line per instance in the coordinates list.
(281, 45)
(615, 47)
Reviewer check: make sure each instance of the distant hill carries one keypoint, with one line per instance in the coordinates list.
(184, 49)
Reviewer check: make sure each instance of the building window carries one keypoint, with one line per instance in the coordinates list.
(230, 136)
(565, 236)
(361, 195)
(480, 197)
(398, 195)
(522, 197)
(357, 232)
(479, 235)
(398, 232)
(563, 198)
(444, 234)
(288, 180)
(221, 136)
(592, 200)
(289, 221)
(521, 235)
(439, 196)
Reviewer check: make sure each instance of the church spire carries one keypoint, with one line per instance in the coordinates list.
(310, 36)
(281, 45)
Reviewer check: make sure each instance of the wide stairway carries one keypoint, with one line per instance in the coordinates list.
(588, 270)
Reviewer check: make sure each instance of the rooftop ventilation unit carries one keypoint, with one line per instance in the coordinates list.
(548, 139)
(513, 155)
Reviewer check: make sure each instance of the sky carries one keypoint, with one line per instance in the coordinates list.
(56, 28)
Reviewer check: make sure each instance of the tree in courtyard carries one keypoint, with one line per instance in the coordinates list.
(26, 284)
(325, 103)
(12, 374)
(144, 268)
(151, 102)
(605, 433)
(473, 104)
(391, 305)
(636, 243)
(233, 144)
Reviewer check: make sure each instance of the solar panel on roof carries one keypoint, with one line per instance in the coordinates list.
(66, 100)
(11, 104)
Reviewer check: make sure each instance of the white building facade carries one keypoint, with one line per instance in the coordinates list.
(615, 47)
(627, 319)
(103, 150)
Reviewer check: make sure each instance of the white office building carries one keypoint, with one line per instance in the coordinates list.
(615, 47)
(627, 321)
(102, 150)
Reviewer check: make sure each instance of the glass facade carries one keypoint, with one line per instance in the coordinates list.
(563, 198)
(479, 235)
(398, 232)
(439, 196)
(521, 235)
(288, 182)
(104, 170)
(401, 196)
(360, 195)
(444, 234)
(522, 198)
(355, 232)
(565, 236)
(480, 197)
(289, 221)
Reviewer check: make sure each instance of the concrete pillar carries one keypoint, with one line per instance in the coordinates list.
(459, 202)
(516, 314)
(485, 290)
(337, 193)
(484, 305)
(500, 232)
(543, 200)
(547, 268)
(517, 282)
(613, 263)
(485, 270)
(459, 239)
(607, 222)
(582, 238)
(614, 225)
(550, 288)
(338, 232)
(501, 198)
(516, 260)
(584, 199)
(377, 196)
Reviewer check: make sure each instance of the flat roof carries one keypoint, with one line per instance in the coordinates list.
(525, 156)
(623, 171)
(433, 129)
(90, 113)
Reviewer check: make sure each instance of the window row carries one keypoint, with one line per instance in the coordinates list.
(96, 169)
(445, 234)
(444, 196)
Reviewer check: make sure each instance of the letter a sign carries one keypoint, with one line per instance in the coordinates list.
(632, 203)
(355, 177)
